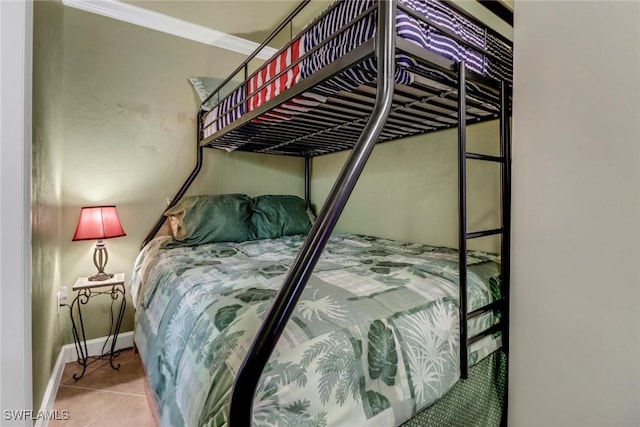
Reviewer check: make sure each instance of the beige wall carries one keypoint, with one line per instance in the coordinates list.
(118, 127)
(409, 189)
(46, 192)
(575, 333)
(129, 137)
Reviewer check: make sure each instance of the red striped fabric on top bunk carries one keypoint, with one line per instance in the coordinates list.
(300, 104)
(260, 91)
(259, 94)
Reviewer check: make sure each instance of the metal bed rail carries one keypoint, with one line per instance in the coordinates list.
(241, 405)
(314, 80)
(297, 89)
(244, 66)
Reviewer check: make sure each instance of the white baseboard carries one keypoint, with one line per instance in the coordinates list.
(52, 388)
(94, 346)
(68, 354)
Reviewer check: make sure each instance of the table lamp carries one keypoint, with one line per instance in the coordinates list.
(98, 223)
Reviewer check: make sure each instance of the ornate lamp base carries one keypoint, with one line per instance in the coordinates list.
(99, 277)
(100, 258)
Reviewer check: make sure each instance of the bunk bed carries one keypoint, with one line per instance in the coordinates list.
(271, 305)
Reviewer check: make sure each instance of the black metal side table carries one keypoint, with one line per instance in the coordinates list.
(85, 290)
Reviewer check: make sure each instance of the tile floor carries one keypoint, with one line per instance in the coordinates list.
(103, 396)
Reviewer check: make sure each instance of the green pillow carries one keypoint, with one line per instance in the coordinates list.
(279, 215)
(197, 220)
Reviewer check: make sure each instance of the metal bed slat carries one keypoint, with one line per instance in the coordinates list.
(403, 121)
(437, 101)
(444, 99)
(401, 98)
(484, 233)
(273, 140)
(284, 132)
(485, 157)
(492, 330)
(396, 119)
(400, 113)
(313, 142)
(326, 141)
(390, 129)
(496, 305)
(439, 108)
(324, 131)
(417, 105)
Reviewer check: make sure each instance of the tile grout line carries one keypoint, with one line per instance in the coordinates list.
(95, 367)
(104, 391)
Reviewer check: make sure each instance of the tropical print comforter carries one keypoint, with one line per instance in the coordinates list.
(373, 340)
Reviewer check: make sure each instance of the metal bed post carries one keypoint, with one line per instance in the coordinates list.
(183, 189)
(505, 243)
(244, 387)
(462, 216)
(307, 182)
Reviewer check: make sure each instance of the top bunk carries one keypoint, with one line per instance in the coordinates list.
(316, 94)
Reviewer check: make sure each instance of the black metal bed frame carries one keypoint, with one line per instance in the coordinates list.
(383, 48)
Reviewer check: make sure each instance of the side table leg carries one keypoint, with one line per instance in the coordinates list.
(115, 293)
(79, 336)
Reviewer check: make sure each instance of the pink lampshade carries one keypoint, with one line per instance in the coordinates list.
(97, 223)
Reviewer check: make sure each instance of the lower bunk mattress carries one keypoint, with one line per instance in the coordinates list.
(373, 340)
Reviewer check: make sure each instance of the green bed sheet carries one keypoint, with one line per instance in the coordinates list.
(373, 340)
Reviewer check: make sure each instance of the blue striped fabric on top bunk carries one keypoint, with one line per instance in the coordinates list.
(410, 29)
(429, 38)
(407, 27)
(229, 109)
(496, 69)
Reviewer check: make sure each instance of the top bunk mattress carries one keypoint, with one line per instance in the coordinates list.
(346, 26)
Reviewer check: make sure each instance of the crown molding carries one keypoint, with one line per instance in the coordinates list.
(167, 24)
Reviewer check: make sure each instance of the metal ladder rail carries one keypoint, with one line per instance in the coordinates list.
(504, 159)
(505, 244)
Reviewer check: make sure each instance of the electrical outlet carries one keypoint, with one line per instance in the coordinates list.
(62, 297)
